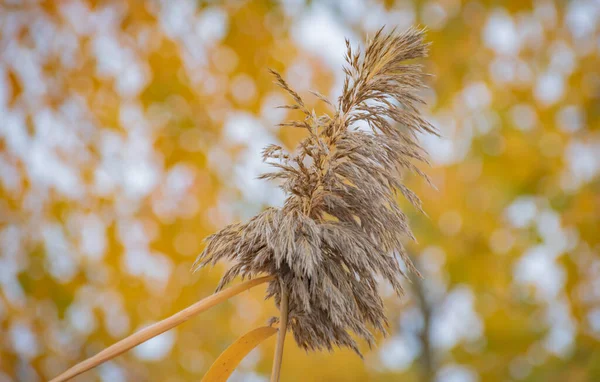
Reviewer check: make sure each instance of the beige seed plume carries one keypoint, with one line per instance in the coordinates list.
(340, 227)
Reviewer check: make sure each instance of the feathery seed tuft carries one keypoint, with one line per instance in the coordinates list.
(340, 226)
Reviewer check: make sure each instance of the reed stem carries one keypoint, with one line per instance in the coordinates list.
(280, 335)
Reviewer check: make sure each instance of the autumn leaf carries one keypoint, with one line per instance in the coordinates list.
(222, 368)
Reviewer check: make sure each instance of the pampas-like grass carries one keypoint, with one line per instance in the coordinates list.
(340, 227)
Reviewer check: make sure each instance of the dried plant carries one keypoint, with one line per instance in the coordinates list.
(340, 227)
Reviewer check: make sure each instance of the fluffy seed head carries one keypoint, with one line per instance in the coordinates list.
(340, 227)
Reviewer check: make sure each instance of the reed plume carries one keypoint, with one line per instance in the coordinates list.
(340, 227)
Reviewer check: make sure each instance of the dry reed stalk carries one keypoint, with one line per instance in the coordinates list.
(278, 357)
(340, 227)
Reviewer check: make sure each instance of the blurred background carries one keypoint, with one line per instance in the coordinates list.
(131, 130)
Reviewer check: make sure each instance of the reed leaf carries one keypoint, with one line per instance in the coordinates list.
(158, 328)
(223, 366)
